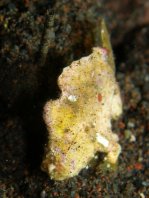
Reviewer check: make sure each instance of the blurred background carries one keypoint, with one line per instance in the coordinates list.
(28, 78)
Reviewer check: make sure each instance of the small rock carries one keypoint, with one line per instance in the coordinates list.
(43, 194)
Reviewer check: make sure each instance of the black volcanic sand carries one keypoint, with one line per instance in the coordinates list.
(26, 83)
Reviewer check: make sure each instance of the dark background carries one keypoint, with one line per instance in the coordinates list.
(27, 82)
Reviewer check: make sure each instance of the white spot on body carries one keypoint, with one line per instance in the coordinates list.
(102, 140)
(102, 31)
(72, 98)
(51, 167)
(108, 165)
(94, 123)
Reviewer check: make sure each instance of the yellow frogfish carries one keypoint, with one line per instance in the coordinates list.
(79, 122)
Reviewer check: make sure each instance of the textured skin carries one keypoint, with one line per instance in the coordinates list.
(79, 122)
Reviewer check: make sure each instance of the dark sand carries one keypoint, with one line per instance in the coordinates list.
(26, 84)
